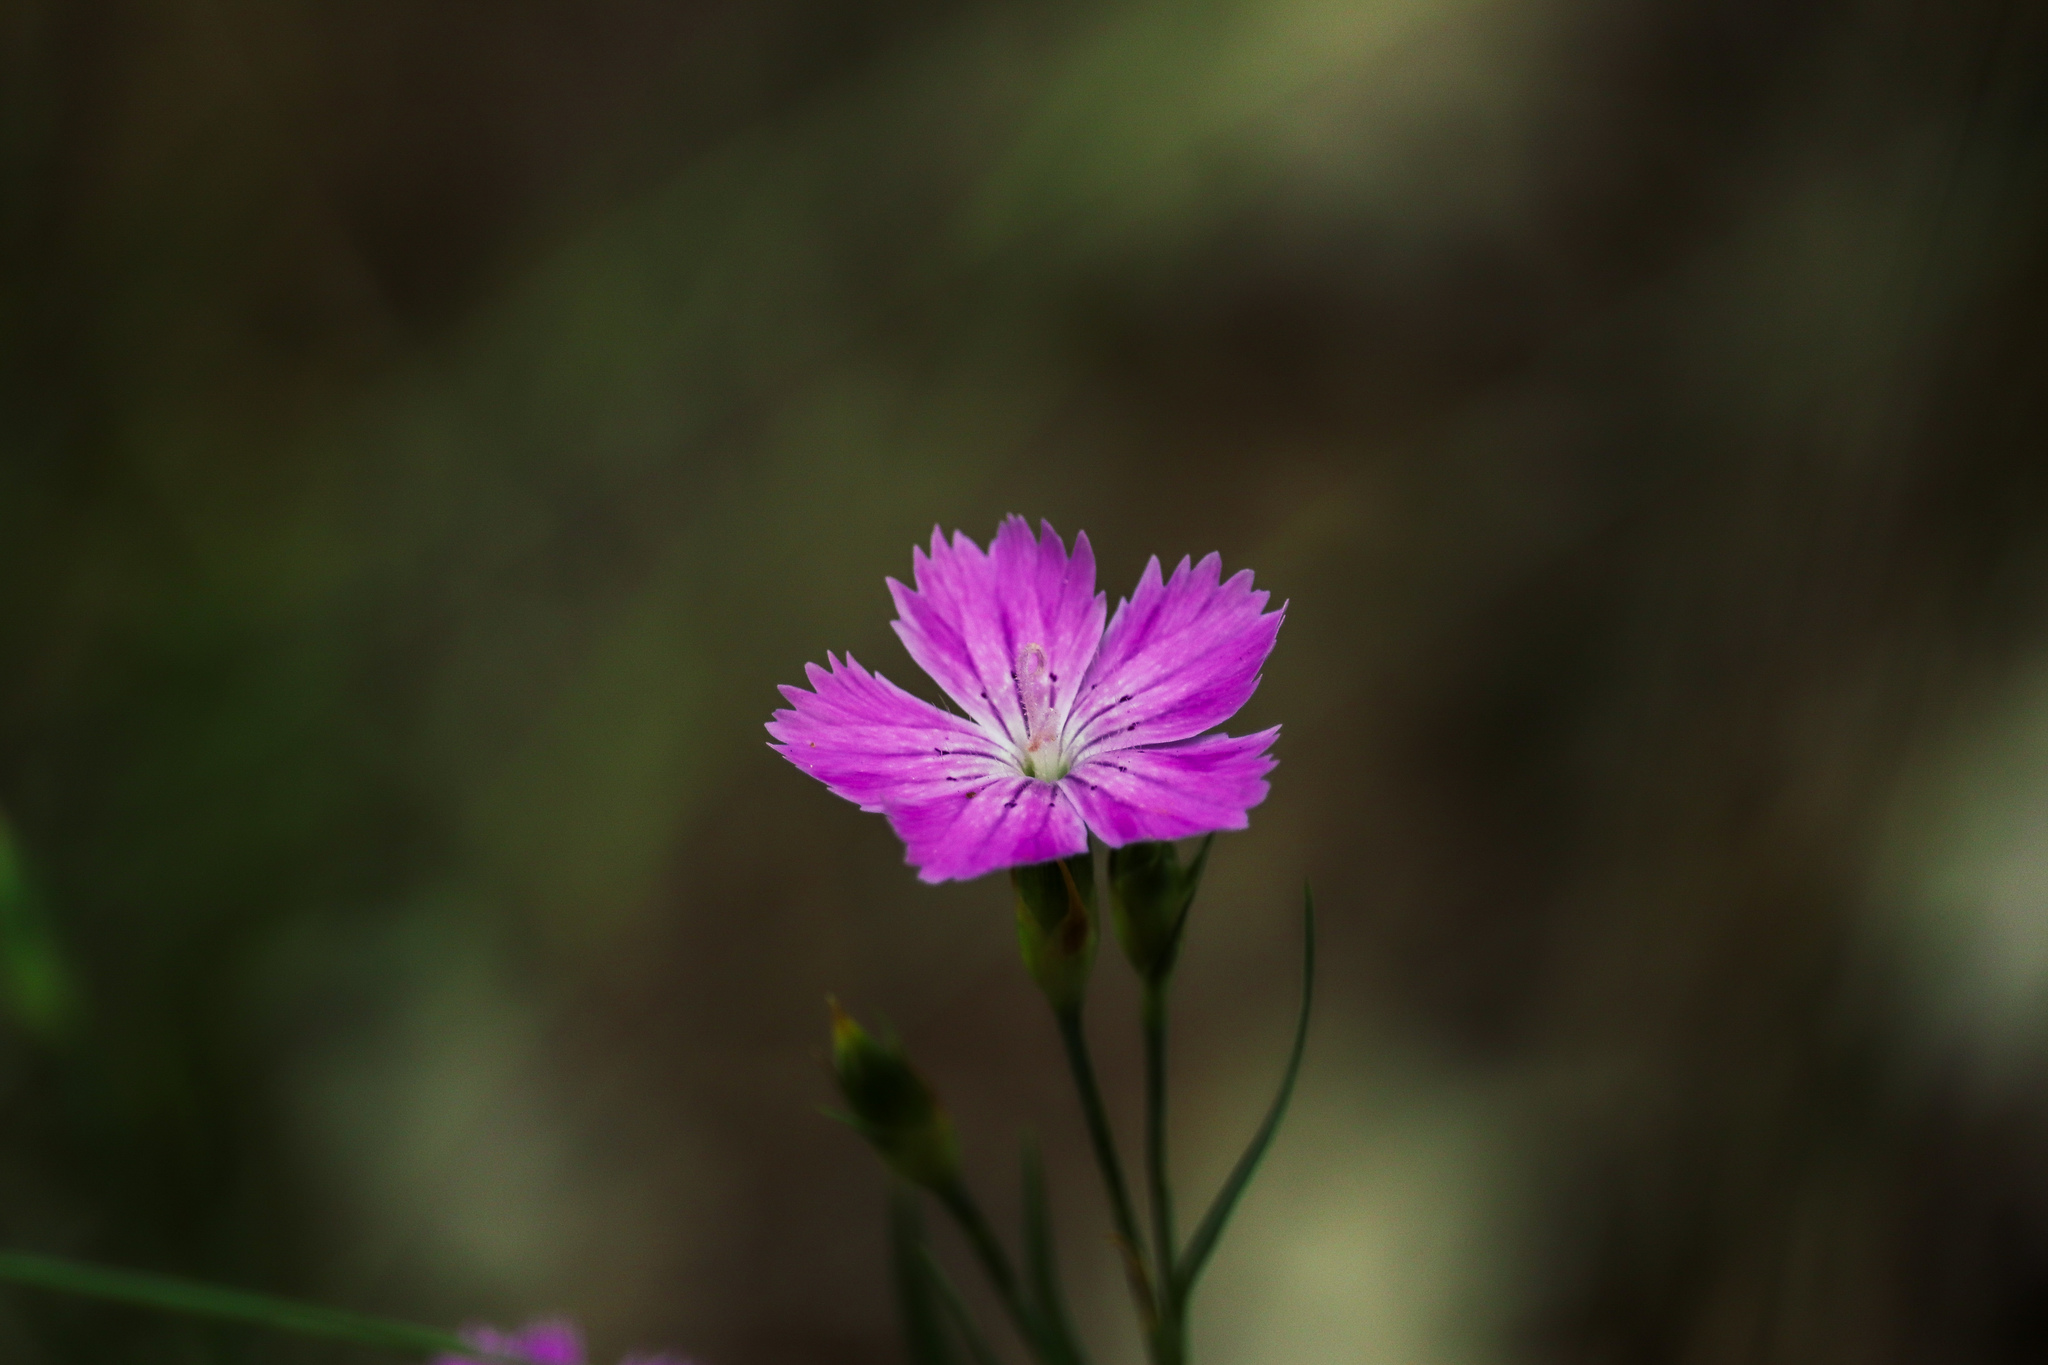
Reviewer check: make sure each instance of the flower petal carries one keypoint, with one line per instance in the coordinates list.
(555, 1341)
(1006, 822)
(873, 743)
(1172, 791)
(1179, 658)
(971, 613)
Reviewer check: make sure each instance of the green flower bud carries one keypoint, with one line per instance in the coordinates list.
(1150, 893)
(891, 1106)
(1056, 925)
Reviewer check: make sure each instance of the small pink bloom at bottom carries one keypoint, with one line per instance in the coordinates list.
(554, 1341)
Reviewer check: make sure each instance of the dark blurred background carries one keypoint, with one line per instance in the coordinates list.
(429, 432)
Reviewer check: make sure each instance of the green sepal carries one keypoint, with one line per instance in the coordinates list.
(1056, 926)
(891, 1105)
(1150, 894)
(1197, 1251)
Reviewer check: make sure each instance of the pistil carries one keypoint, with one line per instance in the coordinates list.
(1041, 756)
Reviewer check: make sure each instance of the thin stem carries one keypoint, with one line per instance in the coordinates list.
(1167, 1347)
(1160, 1189)
(1076, 1039)
(995, 1263)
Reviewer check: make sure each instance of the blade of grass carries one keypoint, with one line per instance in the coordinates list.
(194, 1298)
(1041, 1266)
(37, 985)
(1203, 1242)
(956, 1309)
(917, 1310)
(995, 1263)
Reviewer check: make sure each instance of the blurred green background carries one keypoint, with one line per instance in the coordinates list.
(429, 432)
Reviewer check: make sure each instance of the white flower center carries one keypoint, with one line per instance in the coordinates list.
(1041, 756)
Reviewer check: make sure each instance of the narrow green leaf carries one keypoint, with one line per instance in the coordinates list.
(1204, 1241)
(956, 1310)
(1041, 1267)
(37, 986)
(841, 1116)
(917, 1309)
(196, 1299)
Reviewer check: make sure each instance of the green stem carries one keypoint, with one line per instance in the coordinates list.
(1104, 1141)
(198, 1299)
(995, 1263)
(1168, 1345)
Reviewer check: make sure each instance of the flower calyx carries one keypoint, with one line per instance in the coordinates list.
(1056, 926)
(1151, 892)
(891, 1105)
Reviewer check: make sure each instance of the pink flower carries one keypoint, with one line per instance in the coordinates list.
(555, 1341)
(1068, 727)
